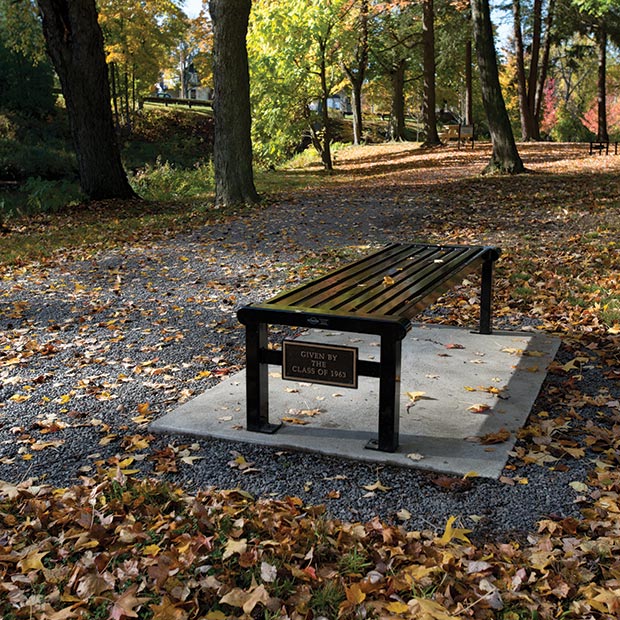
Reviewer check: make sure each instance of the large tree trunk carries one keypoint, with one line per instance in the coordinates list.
(601, 37)
(232, 143)
(428, 102)
(505, 157)
(396, 129)
(75, 45)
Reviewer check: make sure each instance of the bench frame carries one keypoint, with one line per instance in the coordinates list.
(391, 328)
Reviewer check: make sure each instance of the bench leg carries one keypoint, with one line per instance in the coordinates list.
(485, 296)
(389, 396)
(257, 380)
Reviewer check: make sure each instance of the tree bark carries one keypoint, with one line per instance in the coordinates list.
(601, 37)
(396, 130)
(505, 157)
(356, 71)
(75, 45)
(326, 152)
(544, 65)
(469, 90)
(525, 115)
(232, 142)
(428, 102)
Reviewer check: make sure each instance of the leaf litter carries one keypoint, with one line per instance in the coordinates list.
(70, 550)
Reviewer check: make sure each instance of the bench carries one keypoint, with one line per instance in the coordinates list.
(379, 294)
(602, 145)
(460, 133)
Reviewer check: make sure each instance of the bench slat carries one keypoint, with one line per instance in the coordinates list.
(321, 288)
(411, 282)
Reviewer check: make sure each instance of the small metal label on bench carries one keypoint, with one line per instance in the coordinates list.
(319, 363)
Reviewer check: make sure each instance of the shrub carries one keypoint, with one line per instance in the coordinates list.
(165, 181)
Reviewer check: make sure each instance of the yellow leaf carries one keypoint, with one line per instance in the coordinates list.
(377, 486)
(452, 532)
(426, 609)
(354, 594)
(471, 474)
(574, 364)
(234, 546)
(397, 607)
(152, 549)
(415, 396)
(216, 615)
(388, 281)
(32, 561)
(20, 398)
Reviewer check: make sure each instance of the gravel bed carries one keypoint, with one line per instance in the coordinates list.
(86, 345)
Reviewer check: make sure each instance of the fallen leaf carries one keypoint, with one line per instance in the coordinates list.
(478, 408)
(451, 533)
(377, 486)
(499, 437)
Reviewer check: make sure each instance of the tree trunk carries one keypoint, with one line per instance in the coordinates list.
(469, 90)
(356, 72)
(326, 153)
(428, 102)
(522, 82)
(601, 37)
(75, 45)
(544, 66)
(232, 142)
(396, 130)
(505, 157)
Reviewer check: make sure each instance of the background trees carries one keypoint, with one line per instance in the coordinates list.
(75, 45)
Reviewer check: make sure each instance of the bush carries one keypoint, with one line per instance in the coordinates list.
(165, 182)
(569, 128)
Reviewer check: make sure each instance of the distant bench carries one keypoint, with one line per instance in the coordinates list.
(460, 133)
(379, 294)
(602, 145)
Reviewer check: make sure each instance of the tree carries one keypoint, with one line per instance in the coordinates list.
(232, 144)
(531, 81)
(396, 37)
(356, 67)
(138, 37)
(428, 100)
(602, 17)
(505, 157)
(297, 68)
(75, 45)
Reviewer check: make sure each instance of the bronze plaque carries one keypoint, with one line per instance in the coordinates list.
(319, 363)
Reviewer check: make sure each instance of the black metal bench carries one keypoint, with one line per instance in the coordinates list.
(379, 294)
(602, 146)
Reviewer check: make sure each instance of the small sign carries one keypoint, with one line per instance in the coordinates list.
(319, 363)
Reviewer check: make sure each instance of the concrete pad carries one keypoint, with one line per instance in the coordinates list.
(473, 386)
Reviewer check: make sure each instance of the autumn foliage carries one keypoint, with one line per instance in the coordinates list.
(118, 545)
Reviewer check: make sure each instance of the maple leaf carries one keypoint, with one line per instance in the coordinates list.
(492, 438)
(426, 609)
(233, 546)
(377, 486)
(451, 533)
(126, 604)
(32, 561)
